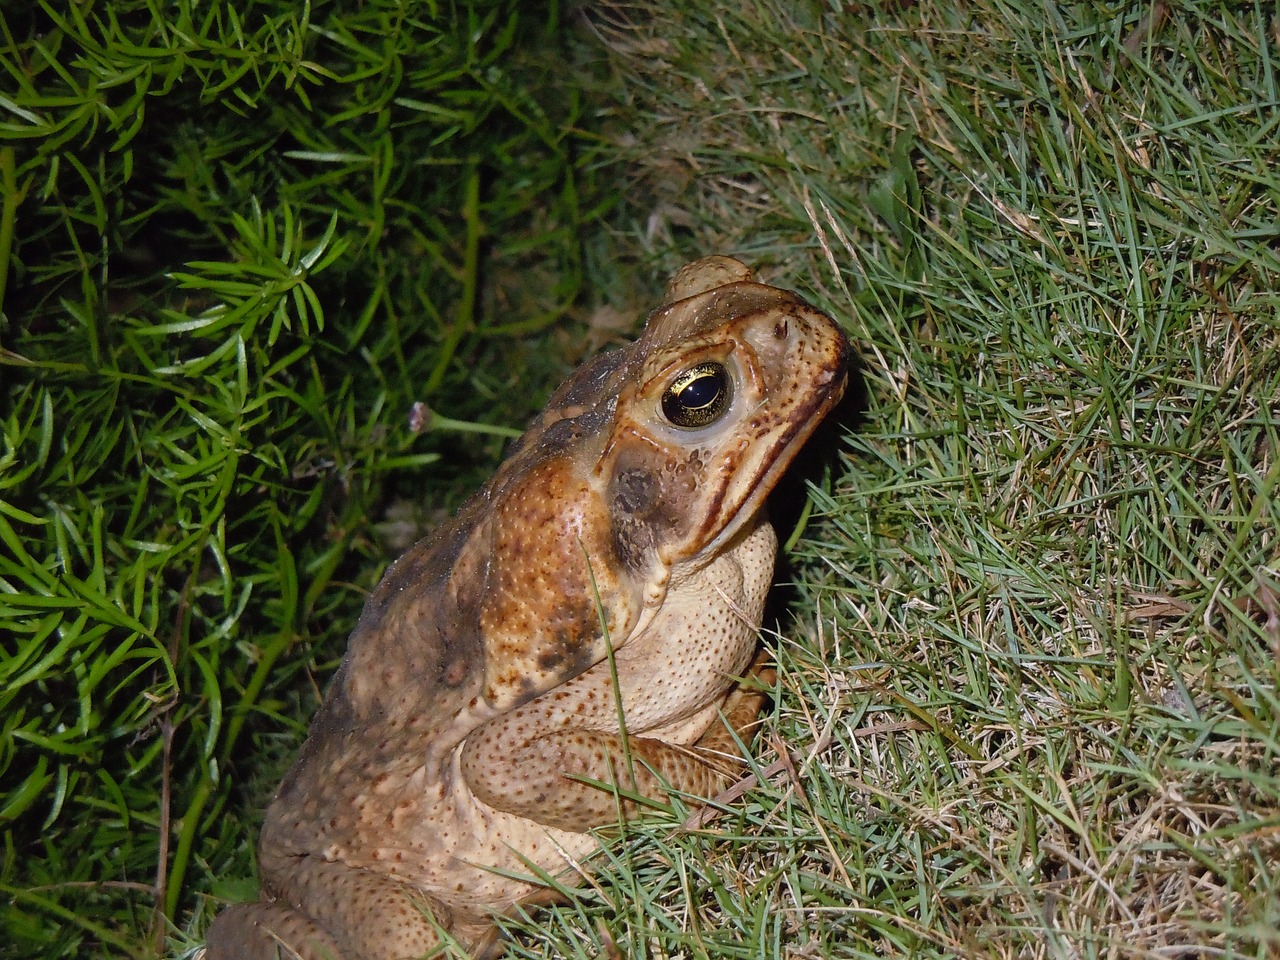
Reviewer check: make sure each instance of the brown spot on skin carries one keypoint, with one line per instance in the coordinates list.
(634, 492)
(454, 674)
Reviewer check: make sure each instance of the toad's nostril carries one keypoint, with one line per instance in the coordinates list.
(780, 329)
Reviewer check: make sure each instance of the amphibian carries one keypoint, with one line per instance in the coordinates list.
(480, 688)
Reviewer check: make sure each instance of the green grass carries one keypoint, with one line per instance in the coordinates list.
(1028, 672)
(1028, 685)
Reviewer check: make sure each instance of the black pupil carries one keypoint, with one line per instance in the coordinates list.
(702, 392)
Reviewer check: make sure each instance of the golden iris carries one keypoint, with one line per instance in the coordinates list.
(698, 396)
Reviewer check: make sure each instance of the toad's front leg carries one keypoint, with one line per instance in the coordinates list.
(540, 776)
(673, 682)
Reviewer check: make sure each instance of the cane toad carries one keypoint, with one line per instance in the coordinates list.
(585, 616)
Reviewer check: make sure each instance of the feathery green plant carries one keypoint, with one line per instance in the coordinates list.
(238, 243)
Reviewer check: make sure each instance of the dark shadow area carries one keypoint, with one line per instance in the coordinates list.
(818, 463)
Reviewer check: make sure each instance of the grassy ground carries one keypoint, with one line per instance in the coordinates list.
(1029, 698)
(1027, 701)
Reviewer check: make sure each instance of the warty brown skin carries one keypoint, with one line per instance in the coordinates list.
(477, 692)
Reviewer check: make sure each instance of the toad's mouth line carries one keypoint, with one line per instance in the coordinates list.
(790, 436)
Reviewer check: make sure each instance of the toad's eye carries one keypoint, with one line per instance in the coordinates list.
(698, 396)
